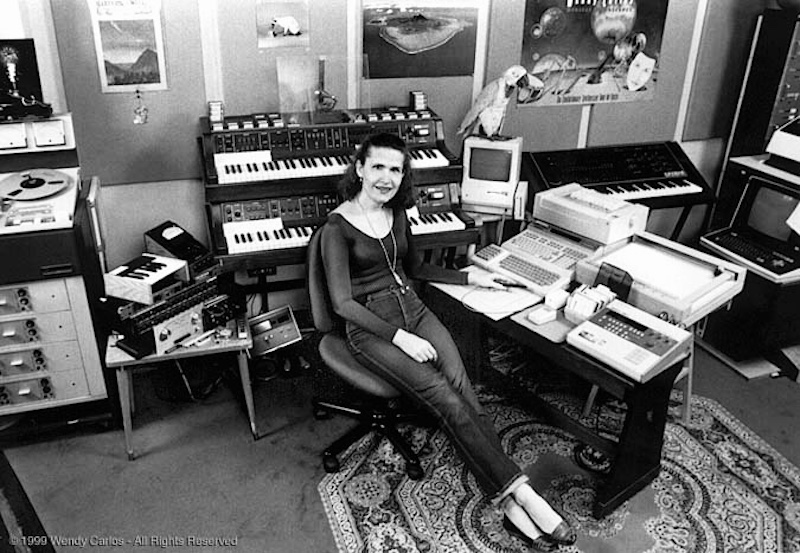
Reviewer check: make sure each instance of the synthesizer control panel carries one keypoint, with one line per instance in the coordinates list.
(289, 208)
(293, 136)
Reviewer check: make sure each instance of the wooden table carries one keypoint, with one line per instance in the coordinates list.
(635, 454)
(125, 364)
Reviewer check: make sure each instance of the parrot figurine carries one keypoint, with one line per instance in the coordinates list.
(489, 109)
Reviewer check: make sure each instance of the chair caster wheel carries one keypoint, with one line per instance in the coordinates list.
(330, 463)
(321, 414)
(414, 471)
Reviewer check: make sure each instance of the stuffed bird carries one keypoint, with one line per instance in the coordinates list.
(489, 110)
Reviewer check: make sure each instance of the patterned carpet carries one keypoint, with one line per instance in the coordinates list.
(721, 489)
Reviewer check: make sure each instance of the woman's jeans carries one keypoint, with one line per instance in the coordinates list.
(441, 387)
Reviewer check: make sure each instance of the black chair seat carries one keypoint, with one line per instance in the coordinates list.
(379, 414)
(334, 352)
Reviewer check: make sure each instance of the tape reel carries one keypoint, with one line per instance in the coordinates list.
(35, 184)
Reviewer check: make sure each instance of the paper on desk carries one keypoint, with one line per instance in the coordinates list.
(794, 220)
(495, 304)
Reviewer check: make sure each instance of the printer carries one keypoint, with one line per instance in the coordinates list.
(784, 147)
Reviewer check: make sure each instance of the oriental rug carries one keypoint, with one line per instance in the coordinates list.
(721, 489)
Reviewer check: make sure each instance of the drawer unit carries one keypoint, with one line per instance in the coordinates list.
(19, 395)
(63, 356)
(47, 327)
(43, 296)
(48, 352)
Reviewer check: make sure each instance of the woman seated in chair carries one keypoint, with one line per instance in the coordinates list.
(369, 258)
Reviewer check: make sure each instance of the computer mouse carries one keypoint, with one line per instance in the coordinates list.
(542, 314)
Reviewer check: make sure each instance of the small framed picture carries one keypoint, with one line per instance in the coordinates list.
(282, 24)
(129, 43)
(19, 72)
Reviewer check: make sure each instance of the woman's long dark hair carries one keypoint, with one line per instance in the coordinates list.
(350, 185)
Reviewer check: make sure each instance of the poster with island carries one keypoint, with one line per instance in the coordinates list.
(423, 38)
(129, 44)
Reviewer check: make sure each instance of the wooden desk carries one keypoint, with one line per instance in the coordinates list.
(635, 455)
(124, 365)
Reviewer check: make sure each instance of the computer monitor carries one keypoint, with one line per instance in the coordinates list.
(764, 317)
(766, 207)
(490, 182)
(759, 236)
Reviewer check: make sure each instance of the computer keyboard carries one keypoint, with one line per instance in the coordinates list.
(536, 277)
(537, 244)
(743, 247)
(489, 252)
(528, 270)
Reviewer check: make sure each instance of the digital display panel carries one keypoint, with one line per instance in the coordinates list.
(626, 322)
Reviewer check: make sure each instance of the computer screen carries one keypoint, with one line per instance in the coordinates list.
(490, 164)
(491, 173)
(768, 208)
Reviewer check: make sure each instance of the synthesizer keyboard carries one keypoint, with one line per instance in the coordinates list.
(430, 223)
(237, 167)
(271, 180)
(657, 174)
(264, 235)
(259, 148)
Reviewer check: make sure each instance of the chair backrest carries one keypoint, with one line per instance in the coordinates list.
(317, 285)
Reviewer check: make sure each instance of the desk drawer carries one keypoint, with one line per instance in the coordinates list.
(43, 296)
(61, 356)
(20, 395)
(46, 327)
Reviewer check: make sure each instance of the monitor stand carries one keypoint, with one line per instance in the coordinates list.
(774, 364)
(788, 362)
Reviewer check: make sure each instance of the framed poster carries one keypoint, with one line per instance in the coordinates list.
(593, 51)
(423, 38)
(129, 45)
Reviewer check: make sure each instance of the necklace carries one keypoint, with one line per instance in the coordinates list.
(393, 263)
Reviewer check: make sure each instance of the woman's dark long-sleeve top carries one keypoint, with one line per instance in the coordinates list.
(356, 266)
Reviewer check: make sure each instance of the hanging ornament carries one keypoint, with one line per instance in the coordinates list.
(140, 111)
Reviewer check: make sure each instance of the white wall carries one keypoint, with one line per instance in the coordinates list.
(131, 209)
(11, 22)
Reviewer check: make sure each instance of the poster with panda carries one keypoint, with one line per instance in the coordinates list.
(593, 51)
(282, 24)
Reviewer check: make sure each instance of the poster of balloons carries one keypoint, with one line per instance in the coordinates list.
(593, 51)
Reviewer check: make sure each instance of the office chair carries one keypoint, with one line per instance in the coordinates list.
(379, 412)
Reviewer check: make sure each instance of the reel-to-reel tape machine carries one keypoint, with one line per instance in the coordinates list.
(37, 199)
(40, 188)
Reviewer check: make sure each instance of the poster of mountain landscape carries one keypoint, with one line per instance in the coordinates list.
(129, 44)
